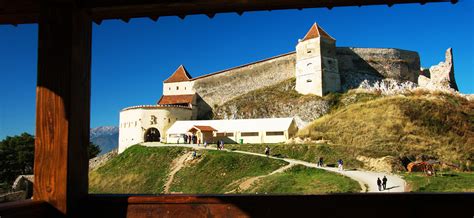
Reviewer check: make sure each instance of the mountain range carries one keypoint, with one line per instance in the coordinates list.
(106, 137)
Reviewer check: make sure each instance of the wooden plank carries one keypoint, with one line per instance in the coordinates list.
(27, 11)
(62, 106)
(27, 208)
(340, 205)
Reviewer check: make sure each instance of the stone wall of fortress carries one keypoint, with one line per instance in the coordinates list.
(355, 65)
(358, 64)
(216, 89)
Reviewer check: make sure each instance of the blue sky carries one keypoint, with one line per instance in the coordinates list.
(130, 60)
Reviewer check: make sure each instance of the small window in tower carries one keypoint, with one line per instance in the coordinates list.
(308, 64)
(184, 88)
(308, 80)
(309, 51)
(177, 87)
(169, 88)
(169, 120)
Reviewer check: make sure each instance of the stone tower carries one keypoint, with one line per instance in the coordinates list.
(316, 63)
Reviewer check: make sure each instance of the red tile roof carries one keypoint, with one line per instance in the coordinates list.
(180, 75)
(315, 31)
(204, 128)
(176, 99)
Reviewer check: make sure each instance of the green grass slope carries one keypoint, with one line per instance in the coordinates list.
(218, 170)
(437, 125)
(304, 180)
(144, 170)
(442, 182)
(137, 170)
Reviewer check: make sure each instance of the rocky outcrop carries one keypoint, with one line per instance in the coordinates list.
(280, 100)
(441, 76)
(99, 161)
(386, 164)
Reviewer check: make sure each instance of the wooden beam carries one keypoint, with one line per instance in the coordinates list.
(337, 205)
(27, 11)
(62, 106)
(28, 208)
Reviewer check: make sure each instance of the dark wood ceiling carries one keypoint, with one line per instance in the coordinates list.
(27, 11)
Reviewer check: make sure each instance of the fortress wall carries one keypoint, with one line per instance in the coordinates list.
(382, 62)
(220, 87)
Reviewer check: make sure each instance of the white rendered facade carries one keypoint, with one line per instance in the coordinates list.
(135, 122)
(178, 88)
(266, 130)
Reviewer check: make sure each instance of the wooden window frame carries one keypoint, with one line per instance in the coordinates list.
(63, 116)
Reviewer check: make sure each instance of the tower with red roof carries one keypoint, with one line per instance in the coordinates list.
(316, 63)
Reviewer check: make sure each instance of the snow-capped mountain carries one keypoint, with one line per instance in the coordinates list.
(106, 137)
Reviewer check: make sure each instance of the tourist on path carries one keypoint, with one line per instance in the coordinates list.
(384, 183)
(205, 144)
(267, 150)
(340, 165)
(379, 184)
(320, 162)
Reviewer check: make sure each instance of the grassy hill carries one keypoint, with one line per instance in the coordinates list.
(304, 180)
(137, 170)
(443, 182)
(145, 170)
(436, 125)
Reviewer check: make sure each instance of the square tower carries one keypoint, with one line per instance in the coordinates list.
(317, 69)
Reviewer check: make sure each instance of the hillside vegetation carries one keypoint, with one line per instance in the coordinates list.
(305, 180)
(146, 170)
(442, 182)
(137, 170)
(435, 125)
(306, 152)
(282, 100)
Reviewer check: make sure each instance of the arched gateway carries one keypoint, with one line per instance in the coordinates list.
(152, 135)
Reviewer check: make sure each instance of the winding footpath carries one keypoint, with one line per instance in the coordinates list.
(366, 179)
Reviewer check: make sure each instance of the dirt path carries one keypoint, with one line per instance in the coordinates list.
(248, 183)
(177, 164)
(365, 178)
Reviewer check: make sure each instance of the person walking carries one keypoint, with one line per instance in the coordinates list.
(267, 150)
(379, 184)
(205, 144)
(384, 183)
(340, 165)
(320, 162)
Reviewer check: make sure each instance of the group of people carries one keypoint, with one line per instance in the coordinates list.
(382, 184)
(340, 164)
(190, 139)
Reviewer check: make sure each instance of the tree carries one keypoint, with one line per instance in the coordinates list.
(17, 156)
(93, 150)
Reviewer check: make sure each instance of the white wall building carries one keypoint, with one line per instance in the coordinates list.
(266, 130)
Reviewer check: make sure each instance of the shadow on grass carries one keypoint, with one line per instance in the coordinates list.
(448, 175)
(279, 155)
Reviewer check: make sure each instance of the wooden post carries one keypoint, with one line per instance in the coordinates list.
(62, 105)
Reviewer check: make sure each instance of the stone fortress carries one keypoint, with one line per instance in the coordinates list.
(318, 65)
